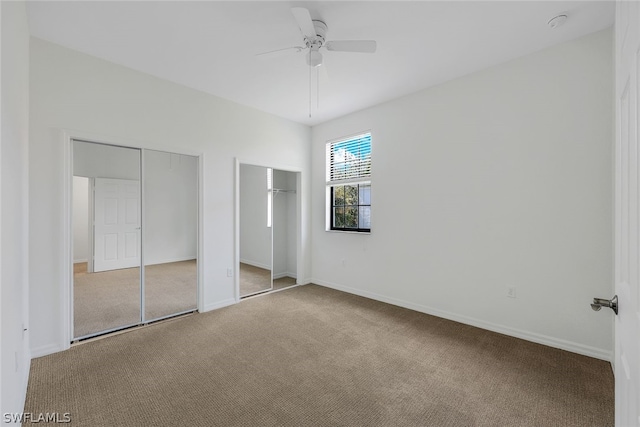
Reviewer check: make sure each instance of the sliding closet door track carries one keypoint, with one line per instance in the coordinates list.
(117, 331)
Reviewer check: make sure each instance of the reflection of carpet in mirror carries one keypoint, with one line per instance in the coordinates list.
(111, 299)
(255, 279)
(283, 282)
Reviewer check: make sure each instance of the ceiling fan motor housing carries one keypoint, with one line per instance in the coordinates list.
(314, 57)
(321, 33)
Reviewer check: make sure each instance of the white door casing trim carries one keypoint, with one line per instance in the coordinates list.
(627, 214)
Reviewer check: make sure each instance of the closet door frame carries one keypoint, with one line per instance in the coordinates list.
(67, 137)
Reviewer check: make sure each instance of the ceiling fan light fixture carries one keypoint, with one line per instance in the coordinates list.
(314, 58)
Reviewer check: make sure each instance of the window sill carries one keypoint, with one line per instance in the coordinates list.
(366, 233)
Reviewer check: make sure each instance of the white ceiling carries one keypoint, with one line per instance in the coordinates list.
(211, 45)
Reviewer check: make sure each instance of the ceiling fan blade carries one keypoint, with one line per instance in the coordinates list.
(364, 46)
(303, 18)
(278, 53)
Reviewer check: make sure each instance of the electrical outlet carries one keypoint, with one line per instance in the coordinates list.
(511, 291)
(229, 272)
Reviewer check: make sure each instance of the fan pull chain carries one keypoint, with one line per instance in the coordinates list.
(310, 67)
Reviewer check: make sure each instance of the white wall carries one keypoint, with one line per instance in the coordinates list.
(80, 219)
(255, 236)
(83, 94)
(14, 122)
(500, 178)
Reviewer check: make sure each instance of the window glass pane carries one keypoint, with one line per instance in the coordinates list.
(338, 217)
(350, 194)
(338, 195)
(269, 208)
(269, 195)
(339, 171)
(365, 194)
(349, 158)
(351, 217)
(364, 218)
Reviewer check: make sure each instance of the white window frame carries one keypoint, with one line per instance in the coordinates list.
(360, 174)
(269, 197)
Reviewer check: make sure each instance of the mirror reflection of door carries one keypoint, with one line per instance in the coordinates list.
(255, 229)
(170, 234)
(106, 236)
(116, 226)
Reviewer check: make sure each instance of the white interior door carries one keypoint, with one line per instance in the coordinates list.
(116, 224)
(627, 256)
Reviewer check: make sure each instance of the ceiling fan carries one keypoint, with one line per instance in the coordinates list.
(314, 38)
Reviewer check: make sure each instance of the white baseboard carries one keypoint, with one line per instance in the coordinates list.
(219, 304)
(501, 329)
(45, 350)
(77, 261)
(255, 264)
(168, 261)
(285, 274)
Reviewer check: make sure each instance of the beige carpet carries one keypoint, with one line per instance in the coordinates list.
(312, 356)
(111, 299)
(283, 282)
(255, 279)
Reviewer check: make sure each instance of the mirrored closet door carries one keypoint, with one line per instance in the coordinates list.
(106, 238)
(256, 227)
(170, 233)
(135, 216)
(267, 229)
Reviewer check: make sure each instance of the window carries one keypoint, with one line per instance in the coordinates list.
(349, 183)
(269, 196)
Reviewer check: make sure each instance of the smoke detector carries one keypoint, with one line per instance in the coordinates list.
(556, 21)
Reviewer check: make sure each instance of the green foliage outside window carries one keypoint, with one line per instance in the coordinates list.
(351, 205)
